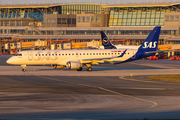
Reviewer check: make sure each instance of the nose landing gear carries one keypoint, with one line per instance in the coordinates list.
(24, 68)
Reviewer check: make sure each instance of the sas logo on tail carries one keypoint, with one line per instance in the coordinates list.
(150, 45)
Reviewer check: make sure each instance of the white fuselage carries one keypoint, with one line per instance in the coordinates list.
(61, 57)
(123, 47)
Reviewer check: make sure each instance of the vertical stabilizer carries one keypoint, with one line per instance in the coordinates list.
(151, 42)
(106, 42)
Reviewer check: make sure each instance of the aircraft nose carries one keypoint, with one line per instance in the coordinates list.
(9, 61)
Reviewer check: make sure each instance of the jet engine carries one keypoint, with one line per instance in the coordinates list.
(58, 66)
(74, 65)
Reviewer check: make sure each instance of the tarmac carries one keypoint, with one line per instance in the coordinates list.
(107, 92)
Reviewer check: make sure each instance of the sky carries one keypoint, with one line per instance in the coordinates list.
(81, 1)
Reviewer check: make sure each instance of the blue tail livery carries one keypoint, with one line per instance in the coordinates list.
(148, 47)
(106, 42)
(151, 42)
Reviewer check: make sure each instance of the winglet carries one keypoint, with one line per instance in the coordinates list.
(106, 42)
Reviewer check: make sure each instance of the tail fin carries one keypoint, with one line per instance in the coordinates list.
(106, 42)
(151, 42)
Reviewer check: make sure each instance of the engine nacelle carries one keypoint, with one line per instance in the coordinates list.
(58, 66)
(73, 65)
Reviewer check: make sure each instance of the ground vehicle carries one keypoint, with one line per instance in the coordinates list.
(155, 57)
(175, 57)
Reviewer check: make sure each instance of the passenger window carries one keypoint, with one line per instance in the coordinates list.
(59, 54)
(73, 54)
(66, 54)
(62, 54)
(80, 54)
(93, 53)
(112, 53)
(102, 53)
(105, 53)
(76, 53)
(108, 53)
(99, 53)
(56, 54)
(42, 54)
(35, 54)
(49, 54)
(52, 54)
(39, 54)
(69, 54)
(96, 53)
(90, 54)
(46, 54)
(87, 53)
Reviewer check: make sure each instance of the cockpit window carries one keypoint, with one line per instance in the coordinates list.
(18, 54)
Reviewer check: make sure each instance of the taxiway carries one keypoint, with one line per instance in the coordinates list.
(108, 92)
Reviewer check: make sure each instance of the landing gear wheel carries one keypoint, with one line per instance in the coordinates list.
(80, 69)
(89, 69)
(55, 66)
(24, 70)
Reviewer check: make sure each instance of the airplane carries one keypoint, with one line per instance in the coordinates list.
(108, 45)
(77, 59)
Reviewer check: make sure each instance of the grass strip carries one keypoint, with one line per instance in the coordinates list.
(171, 78)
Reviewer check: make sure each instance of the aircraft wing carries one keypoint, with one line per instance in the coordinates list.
(100, 60)
(93, 61)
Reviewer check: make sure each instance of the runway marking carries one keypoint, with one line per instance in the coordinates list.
(122, 77)
(143, 88)
(155, 104)
(104, 89)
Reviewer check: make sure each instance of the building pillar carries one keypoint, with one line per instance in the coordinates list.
(16, 14)
(8, 14)
(27, 13)
(4, 14)
(12, 14)
(0, 47)
(169, 54)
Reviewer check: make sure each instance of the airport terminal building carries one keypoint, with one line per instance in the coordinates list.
(81, 22)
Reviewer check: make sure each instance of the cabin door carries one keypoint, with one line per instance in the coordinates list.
(30, 55)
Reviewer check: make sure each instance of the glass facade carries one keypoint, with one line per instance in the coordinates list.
(139, 16)
(25, 14)
(37, 13)
(78, 8)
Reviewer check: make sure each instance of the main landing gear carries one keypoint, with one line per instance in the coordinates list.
(24, 68)
(89, 68)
